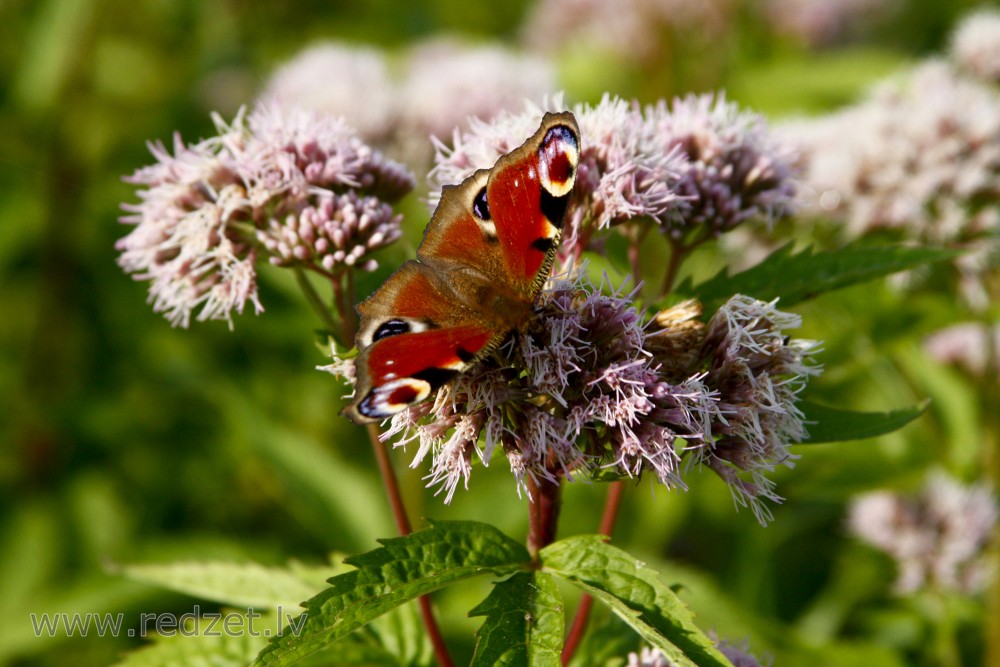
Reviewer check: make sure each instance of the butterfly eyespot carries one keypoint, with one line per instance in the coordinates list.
(393, 397)
(480, 207)
(390, 328)
(558, 158)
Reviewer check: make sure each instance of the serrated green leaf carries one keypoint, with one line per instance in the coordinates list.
(795, 277)
(233, 584)
(636, 594)
(826, 424)
(403, 569)
(524, 623)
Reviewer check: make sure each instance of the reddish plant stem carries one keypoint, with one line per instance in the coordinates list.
(543, 513)
(389, 481)
(391, 485)
(579, 626)
(633, 260)
(678, 252)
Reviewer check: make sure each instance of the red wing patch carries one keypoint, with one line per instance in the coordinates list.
(528, 195)
(405, 369)
(407, 355)
(514, 194)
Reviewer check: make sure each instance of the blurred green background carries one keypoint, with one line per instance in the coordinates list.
(125, 440)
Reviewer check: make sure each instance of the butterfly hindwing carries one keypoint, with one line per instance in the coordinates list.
(414, 337)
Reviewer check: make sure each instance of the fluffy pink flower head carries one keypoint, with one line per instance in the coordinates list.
(341, 80)
(629, 29)
(447, 82)
(975, 44)
(291, 186)
(757, 372)
(575, 393)
(921, 155)
(734, 169)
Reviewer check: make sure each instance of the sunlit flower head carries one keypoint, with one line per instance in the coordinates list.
(333, 230)
(351, 82)
(577, 393)
(757, 372)
(938, 537)
(629, 29)
(734, 169)
(975, 44)
(915, 155)
(293, 187)
(295, 151)
(921, 155)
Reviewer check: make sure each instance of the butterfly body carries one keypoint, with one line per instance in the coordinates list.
(484, 258)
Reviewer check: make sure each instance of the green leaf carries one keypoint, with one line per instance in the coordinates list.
(403, 569)
(233, 584)
(826, 424)
(400, 632)
(795, 277)
(636, 594)
(524, 623)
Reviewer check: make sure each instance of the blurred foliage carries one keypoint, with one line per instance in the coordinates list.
(126, 441)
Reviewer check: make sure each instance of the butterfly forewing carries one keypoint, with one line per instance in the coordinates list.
(527, 193)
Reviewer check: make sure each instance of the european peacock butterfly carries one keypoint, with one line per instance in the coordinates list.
(485, 255)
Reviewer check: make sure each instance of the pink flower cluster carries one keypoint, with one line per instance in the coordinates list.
(592, 388)
(920, 156)
(938, 537)
(294, 187)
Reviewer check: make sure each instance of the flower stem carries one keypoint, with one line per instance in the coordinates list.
(389, 481)
(575, 636)
(344, 305)
(314, 300)
(678, 252)
(391, 484)
(543, 513)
